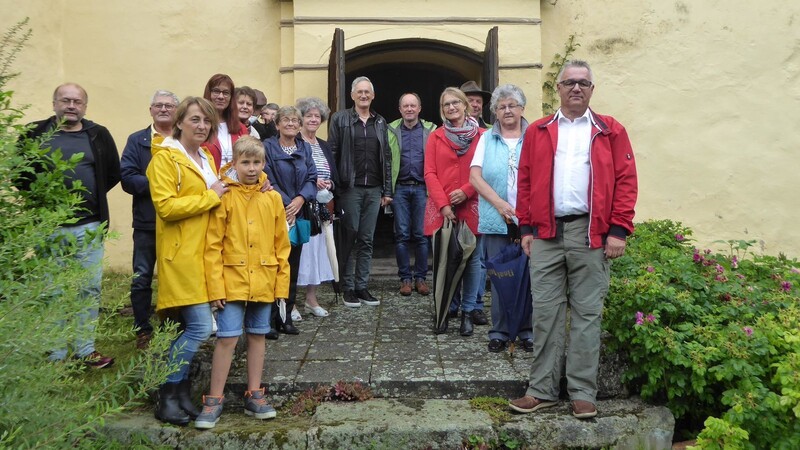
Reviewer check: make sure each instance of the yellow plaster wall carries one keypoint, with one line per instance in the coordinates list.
(121, 52)
(709, 92)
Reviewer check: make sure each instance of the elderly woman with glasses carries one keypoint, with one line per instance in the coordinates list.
(315, 266)
(494, 175)
(219, 91)
(448, 155)
(291, 170)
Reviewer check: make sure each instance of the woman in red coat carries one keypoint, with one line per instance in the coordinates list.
(448, 155)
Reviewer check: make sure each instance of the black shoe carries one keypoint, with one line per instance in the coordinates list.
(479, 317)
(272, 335)
(496, 345)
(288, 328)
(185, 399)
(452, 314)
(168, 408)
(367, 298)
(466, 324)
(350, 300)
(527, 345)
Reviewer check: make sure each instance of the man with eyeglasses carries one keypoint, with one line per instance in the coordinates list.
(98, 171)
(577, 191)
(135, 158)
(359, 142)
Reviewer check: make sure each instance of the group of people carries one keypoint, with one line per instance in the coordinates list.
(219, 194)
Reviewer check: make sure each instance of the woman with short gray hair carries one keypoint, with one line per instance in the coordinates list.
(315, 267)
(494, 176)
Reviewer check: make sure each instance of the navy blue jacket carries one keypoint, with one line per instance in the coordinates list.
(135, 158)
(291, 175)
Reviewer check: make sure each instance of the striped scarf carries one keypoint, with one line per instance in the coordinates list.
(461, 137)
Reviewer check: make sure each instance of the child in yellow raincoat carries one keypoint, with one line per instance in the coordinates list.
(247, 269)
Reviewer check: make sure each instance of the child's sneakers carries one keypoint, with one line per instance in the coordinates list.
(256, 405)
(212, 409)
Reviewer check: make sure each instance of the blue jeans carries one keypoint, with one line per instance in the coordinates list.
(466, 296)
(409, 210)
(89, 254)
(254, 315)
(196, 320)
(455, 303)
(361, 206)
(144, 262)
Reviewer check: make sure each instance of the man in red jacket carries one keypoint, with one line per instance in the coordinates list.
(576, 195)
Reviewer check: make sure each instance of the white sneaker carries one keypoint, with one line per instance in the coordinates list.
(296, 317)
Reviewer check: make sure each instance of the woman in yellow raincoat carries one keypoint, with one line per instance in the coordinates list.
(184, 186)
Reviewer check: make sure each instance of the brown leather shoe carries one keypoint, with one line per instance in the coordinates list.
(528, 404)
(583, 409)
(422, 287)
(143, 341)
(405, 288)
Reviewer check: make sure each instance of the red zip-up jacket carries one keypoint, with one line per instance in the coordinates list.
(613, 184)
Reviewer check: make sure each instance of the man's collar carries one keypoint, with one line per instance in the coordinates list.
(587, 114)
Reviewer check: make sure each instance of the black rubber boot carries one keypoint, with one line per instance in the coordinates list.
(185, 399)
(168, 408)
(466, 324)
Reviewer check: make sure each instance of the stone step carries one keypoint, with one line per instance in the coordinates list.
(415, 424)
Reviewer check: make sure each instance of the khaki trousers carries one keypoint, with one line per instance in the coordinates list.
(565, 271)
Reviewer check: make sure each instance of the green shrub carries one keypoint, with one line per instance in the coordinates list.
(47, 404)
(713, 335)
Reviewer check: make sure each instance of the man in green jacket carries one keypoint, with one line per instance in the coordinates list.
(407, 139)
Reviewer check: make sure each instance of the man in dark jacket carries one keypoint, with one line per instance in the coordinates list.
(98, 172)
(360, 147)
(135, 158)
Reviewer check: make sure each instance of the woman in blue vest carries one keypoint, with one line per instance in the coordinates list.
(494, 175)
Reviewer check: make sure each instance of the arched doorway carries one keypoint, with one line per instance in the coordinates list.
(409, 65)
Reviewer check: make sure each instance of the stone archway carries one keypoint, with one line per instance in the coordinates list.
(409, 65)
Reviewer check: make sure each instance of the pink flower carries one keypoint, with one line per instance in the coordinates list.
(707, 251)
(734, 262)
(650, 318)
(726, 297)
(748, 331)
(651, 269)
(721, 278)
(679, 237)
(639, 318)
(795, 270)
(719, 268)
(740, 276)
(697, 258)
(786, 286)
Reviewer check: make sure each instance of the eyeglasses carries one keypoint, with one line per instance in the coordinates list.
(218, 92)
(570, 83)
(290, 120)
(449, 104)
(160, 106)
(507, 107)
(71, 101)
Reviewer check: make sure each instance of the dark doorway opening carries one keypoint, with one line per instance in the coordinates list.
(399, 67)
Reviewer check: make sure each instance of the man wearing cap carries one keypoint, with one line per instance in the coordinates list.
(266, 127)
(476, 98)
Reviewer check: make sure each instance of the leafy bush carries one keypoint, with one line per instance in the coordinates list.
(42, 403)
(715, 336)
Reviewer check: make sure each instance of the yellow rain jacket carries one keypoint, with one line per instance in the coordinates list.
(182, 202)
(247, 247)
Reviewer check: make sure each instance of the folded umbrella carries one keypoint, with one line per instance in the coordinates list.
(345, 240)
(330, 247)
(453, 244)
